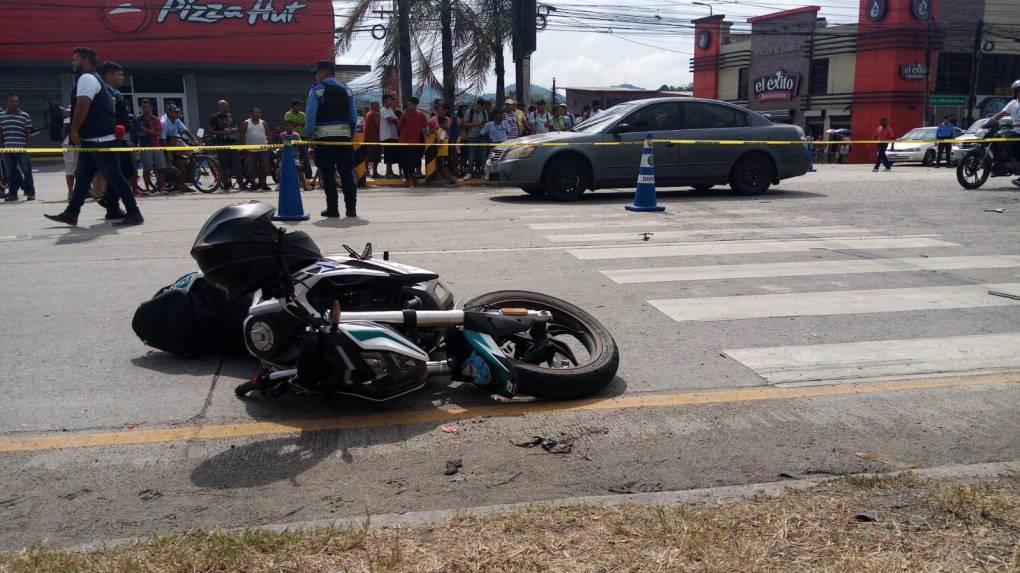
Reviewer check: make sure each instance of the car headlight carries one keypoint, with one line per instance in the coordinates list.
(522, 152)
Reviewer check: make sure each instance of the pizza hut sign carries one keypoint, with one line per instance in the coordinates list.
(777, 87)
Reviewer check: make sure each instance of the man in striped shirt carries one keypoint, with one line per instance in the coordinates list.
(16, 131)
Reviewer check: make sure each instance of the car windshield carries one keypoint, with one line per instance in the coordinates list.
(979, 124)
(919, 133)
(603, 120)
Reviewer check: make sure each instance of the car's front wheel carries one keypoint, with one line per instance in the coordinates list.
(566, 179)
(929, 158)
(752, 174)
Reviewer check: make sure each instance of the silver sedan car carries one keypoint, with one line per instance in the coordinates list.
(605, 151)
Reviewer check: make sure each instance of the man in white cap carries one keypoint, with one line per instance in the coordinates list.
(516, 121)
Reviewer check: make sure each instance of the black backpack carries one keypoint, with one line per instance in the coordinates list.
(55, 121)
(191, 318)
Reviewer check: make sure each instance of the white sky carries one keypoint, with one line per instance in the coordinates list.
(577, 58)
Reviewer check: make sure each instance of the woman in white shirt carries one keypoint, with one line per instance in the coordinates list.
(254, 131)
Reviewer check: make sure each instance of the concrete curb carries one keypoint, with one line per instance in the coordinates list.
(770, 489)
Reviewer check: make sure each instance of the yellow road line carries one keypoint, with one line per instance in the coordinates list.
(64, 440)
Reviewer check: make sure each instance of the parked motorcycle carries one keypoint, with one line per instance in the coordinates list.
(989, 158)
(376, 329)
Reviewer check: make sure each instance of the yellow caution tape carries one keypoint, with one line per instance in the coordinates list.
(504, 144)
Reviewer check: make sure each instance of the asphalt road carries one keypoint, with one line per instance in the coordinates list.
(839, 323)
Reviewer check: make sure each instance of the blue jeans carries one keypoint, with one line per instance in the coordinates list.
(479, 153)
(19, 171)
(107, 163)
(329, 159)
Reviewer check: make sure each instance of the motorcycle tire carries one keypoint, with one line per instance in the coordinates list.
(973, 171)
(568, 383)
(205, 174)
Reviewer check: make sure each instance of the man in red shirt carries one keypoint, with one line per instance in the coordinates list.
(410, 126)
(883, 133)
(373, 152)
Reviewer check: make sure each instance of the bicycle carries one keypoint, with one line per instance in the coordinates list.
(189, 168)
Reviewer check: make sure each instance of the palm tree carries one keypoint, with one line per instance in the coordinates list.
(419, 48)
(490, 25)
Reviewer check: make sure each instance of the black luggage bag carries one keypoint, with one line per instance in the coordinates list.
(192, 318)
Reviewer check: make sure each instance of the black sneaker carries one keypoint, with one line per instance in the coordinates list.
(1016, 182)
(115, 214)
(30, 198)
(352, 213)
(129, 220)
(329, 213)
(64, 217)
(10, 198)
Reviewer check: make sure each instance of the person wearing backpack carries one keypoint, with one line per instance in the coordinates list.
(474, 121)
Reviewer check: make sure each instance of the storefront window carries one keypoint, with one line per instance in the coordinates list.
(819, 77)
(998, 71)
(953, 74)
(743, 81)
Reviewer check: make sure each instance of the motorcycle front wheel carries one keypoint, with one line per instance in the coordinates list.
(973, 170)
(573, 357)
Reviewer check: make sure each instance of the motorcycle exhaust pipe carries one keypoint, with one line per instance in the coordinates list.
(439, 368)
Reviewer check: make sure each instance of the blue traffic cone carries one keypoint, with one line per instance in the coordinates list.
(644, 195)
(289, 207)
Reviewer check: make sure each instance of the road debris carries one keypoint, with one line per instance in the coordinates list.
(1004, 294)
(646, 236)
(999, 210)
(451, 429)
(547, 444)
(866, 517)
(453, 466)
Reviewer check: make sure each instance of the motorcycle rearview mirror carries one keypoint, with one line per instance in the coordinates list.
(354, 254)
(367, 253)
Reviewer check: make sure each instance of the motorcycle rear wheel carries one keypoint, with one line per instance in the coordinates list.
(973, 171)
(587, 362)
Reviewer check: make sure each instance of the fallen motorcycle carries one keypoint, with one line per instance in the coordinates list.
(375, 329)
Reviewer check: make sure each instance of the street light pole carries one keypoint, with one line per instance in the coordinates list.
(711, 12)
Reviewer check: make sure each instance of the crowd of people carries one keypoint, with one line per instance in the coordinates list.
(462, 134)
(458, 136)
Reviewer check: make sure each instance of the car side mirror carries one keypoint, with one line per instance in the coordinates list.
(620, 128)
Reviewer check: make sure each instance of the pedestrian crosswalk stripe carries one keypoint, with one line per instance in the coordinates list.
(583, 214)
(856, 361)
(809, 268)
(661, 235)
(758, 246)
(661, 222)
(836, 302)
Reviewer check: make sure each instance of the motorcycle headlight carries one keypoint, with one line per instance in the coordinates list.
(522, 152)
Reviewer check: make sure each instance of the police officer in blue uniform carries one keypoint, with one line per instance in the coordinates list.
(94, 126)
(330, 116)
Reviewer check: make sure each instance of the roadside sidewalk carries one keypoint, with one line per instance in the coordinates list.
(952, 518)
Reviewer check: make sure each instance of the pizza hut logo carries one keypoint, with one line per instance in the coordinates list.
(126, 16)
(777, 87)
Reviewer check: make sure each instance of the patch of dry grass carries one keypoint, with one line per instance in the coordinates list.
(921, 526)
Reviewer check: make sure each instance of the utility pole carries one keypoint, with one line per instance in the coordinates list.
(525, 14)
(554, 93)
(927, 73)
(404, 71)
(975, 67)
